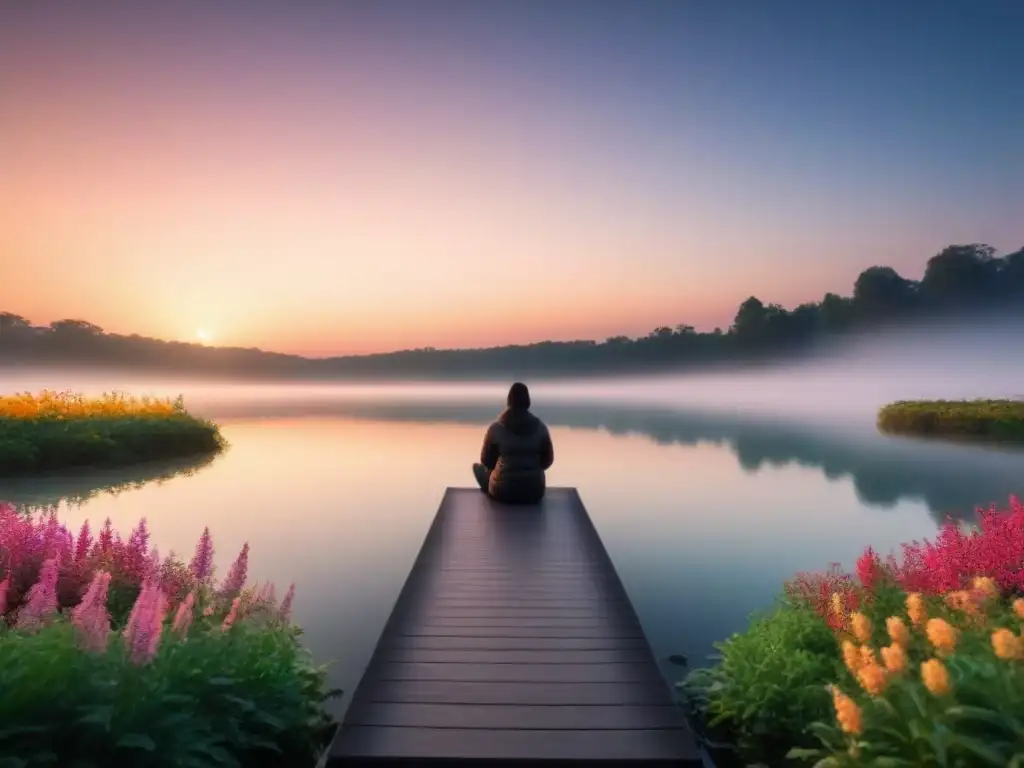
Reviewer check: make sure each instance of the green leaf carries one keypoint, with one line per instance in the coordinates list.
(100, 716)
(137, 741)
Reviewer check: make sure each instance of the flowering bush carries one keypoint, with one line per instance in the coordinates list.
(923, 665)
(59, 430)
(110, 655)
(68, 405)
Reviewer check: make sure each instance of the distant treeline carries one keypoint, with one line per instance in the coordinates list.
(960, 281)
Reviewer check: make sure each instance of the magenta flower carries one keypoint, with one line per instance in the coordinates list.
(5, 586)
(202, 561)
(90, 617)
(268, 595)
(183, 617)
(83, 543)
(42, 597)
(145, 625)
(235, 580)
(105, 541)
(285, 611)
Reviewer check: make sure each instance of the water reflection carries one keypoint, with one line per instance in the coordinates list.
(951, 479)
(46, 491)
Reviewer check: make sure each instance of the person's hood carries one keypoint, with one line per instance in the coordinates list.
(519, 422)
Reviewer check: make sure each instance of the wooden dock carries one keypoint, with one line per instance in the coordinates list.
(513, 639)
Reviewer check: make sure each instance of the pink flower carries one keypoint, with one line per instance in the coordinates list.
(83, 543)
(142, 633)
(268, 595)
(90, 617)
(183, 617)
(869, 568)
(285, 611)
(106, 538)
(202, 561)
(232, 615)
(235, 579)
(5, 586)
(42, 597)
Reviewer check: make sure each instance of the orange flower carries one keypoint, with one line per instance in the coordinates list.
(848, 714)
(894, 658)
(872, 678)
(851, 656)
(1018, 607)
(861, 626)
(935, 677)
(1007, 645)
(986, 586)
(915, 608)
(961, 600)
(898, 631)
(867, 656)
(941, 634)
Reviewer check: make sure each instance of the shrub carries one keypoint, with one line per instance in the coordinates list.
(112, 656)
(998, 419)
(769, 683)
(56, 431)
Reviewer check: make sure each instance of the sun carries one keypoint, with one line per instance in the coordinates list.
(204, 336)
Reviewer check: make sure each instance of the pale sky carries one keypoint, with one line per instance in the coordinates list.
(328, 178)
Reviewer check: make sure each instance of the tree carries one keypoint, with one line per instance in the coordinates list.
(881, 292)
(749, 321)
(11, 324)
(961, 274)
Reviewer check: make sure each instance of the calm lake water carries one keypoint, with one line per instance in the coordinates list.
(704, 511)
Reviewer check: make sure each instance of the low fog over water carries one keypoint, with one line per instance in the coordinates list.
(846, 385)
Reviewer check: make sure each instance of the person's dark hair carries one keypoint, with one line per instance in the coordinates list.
(519, 397)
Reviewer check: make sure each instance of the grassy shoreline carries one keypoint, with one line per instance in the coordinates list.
(55, 431)
(997, 420)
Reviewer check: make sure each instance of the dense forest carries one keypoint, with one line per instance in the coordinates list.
(960, 281)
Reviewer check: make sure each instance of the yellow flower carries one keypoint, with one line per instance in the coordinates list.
(861, 626)
(1018, 607)
(847, 712)
(851, 656)
(1007, 645)
(986, 586)
(935, 677)
(895, 658)
(941, 634)
(837, 604)
(898, 631)
(915, 608)
(872, 678)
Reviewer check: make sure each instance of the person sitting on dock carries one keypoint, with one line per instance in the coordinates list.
(517, 449)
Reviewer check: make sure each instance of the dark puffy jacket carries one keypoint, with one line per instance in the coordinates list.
(517, 448)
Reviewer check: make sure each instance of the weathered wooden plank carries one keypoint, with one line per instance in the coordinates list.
(518, 744)
(555, 655)
(525, 673)
(502, 716)
(568, 644)
(513, 639)
(530, 694)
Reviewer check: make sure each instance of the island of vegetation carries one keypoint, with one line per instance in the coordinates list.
(997, 420)
(960, 281)
(54, 431)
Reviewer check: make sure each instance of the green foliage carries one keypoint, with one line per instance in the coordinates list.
(30, 445)
(769, 683)
(248, 696)
(995, 419)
